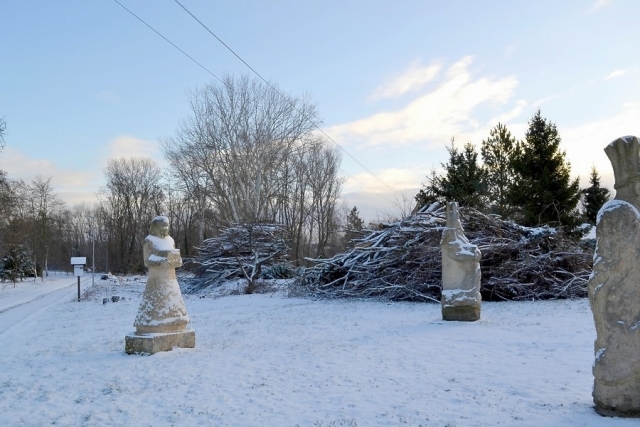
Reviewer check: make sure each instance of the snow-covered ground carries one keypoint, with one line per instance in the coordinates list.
(32, 289)
(267, 360)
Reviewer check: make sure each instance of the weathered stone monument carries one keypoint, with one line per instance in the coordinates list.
(614, 288)
(162, 319)
(461, 298)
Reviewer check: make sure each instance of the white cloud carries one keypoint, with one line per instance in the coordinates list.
(130, 146)
(517, 129)
(76, 185)
(396, 179)
(433, 117)
(376, 201)
(599, 4)
(71, 185)
(381, 207)
(539, 102)
(511, 49)
(585, 143)
(616, 73)
(413, 79)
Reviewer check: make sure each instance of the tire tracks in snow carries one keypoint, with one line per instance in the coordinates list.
(18, 313)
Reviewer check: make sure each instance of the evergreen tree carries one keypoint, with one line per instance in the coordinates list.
(497, 153)
(354, 226)
(463, 181)
(594, 197)
(543, 191)
(426, 196)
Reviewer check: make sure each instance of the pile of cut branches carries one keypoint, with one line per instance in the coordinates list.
(243, 251)
(402, 261)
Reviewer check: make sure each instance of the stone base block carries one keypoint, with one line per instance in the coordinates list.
(461, 313)
(614, 412)
(619, 400)
(154, 343)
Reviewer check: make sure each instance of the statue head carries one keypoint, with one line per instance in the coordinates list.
(453, 217)
(625, 160)
(159, 226)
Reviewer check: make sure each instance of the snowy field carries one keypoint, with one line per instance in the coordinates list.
(267, 360)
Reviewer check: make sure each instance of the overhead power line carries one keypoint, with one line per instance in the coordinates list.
(315, 124)
(168, 41)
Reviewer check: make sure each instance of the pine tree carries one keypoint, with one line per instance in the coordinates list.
(497, 154)
(463, 181)
(426, 196)
(594, 197)
(543, 190)
(354, 226)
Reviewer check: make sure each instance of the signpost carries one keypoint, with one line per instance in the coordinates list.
(78, 263)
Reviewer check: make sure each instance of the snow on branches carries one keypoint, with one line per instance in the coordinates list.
(402, 261)
(240, 252)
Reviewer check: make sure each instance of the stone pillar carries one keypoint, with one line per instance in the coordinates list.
(461, 298)
(162, 319)
(614, 288)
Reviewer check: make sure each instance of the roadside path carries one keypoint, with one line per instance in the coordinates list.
(15, 310)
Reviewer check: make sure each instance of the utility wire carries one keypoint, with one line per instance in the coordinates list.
(281, 95)
(169, 41)
(269, 84)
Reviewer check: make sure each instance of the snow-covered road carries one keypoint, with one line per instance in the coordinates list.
(28, 299)
(14, 315)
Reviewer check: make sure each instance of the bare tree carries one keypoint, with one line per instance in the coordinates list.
(189, 213)
(7, 198)
(44, 205)
(240, 136)
(130, 199)
(248, 155)
(191, 186)
(3, 129)
(325, 186)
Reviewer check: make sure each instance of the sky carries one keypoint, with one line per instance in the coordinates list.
(82, 82)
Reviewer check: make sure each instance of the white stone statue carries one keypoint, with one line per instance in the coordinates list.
(162, 319)
(614, 288)
(461, 298)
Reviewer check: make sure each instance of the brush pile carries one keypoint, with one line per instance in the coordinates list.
(244, 251)
(402, 261)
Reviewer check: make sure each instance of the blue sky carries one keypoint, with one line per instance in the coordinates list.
(82, 81)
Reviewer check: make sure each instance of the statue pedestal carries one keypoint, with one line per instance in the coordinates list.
(154, 343)
(461, 313)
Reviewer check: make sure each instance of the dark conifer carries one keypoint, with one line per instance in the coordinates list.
(594, 197)
(354, 226)
(463, 181)
(543, 191)
(497, 153)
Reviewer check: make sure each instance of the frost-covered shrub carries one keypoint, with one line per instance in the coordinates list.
(16, 264)
(245, 251)
(279, 271)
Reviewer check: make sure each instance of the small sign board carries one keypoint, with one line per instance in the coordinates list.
(78, 260)
(78, 270)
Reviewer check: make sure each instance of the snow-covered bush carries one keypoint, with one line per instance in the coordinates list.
(245, 251)
(16, 264)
